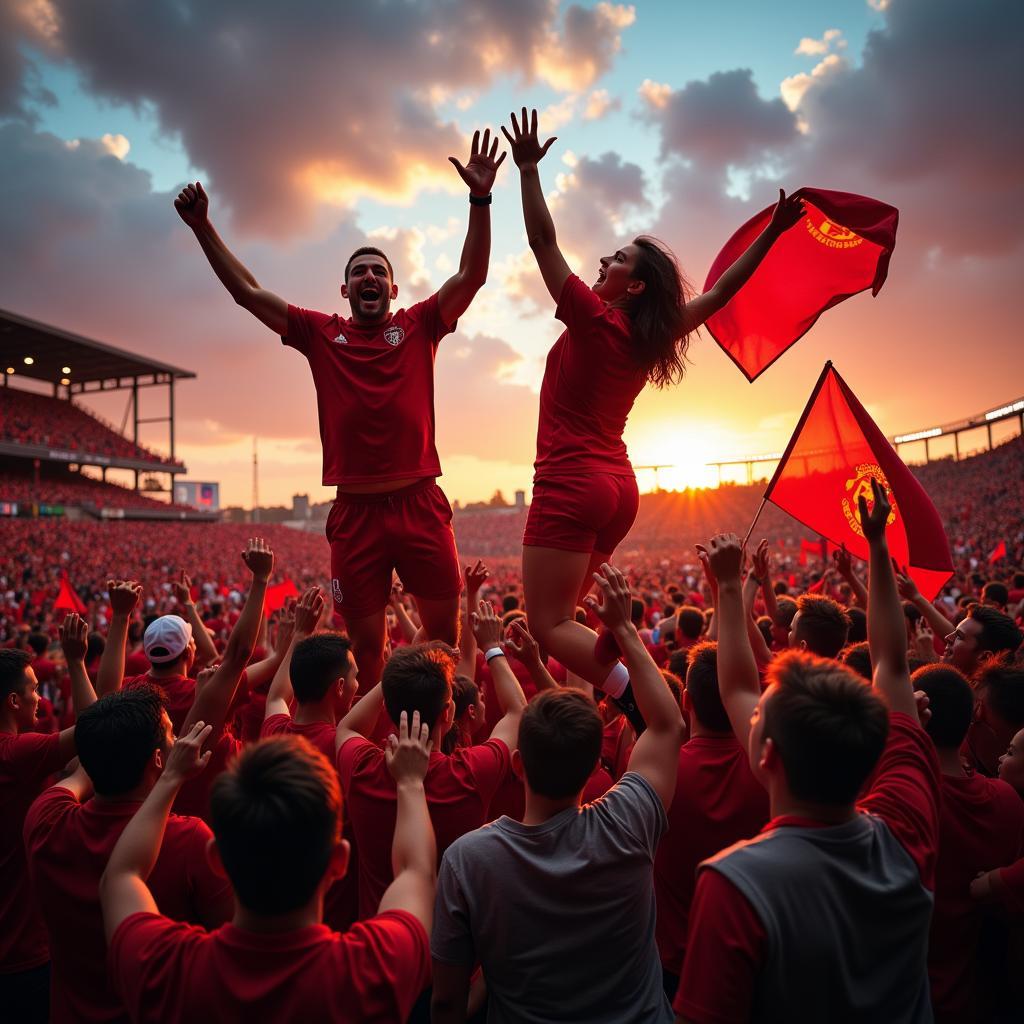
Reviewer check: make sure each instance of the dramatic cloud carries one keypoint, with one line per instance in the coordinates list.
(831, 40)
(283, 109)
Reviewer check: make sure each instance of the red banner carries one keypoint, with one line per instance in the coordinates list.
(833, 454)
(68, 599)
(999, 551)
(277, 595)
(841, 247)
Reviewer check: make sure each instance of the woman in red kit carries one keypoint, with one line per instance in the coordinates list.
(630, 328)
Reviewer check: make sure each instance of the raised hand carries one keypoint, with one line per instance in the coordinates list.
(74, 637)
(480, 172)
(725, 554)
(486, 626)
(843, 562)
(259, 559)
(193, 205)
(397, 594)
(285, 628)
(525, 146)
(182, 589)
(788, 211)
(906, 586)
(124, 596)
(308, 611)
(616, 600)
(873, 522)
(761, 561)
(924, 641)
(521, 643)
(709, 574)
(186, 757)
(408, 754)
(476, 576)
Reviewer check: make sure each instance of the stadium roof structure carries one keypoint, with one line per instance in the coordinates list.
(42, 352)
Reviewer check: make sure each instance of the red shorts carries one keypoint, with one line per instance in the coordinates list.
(587, 512)
(408, 531)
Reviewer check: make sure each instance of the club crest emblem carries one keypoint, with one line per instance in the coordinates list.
(336, 591)
(860, 485)
(831, 235)
(340, 339)
(394, 336)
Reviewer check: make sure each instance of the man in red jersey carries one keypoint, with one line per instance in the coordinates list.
(374, 378)
(123, 743)
(837, 889)
(27, 760)
(981, 827)
(717, 802)
(277, 835)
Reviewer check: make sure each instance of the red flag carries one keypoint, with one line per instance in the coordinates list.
(67, 598)
(841, 247)
(999, 551)
(278, 594)
(831, 458)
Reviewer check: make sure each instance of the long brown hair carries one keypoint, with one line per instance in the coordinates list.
(658, 313)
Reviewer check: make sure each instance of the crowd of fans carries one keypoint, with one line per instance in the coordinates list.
(482, 834)
(30, 418)
(76, 490)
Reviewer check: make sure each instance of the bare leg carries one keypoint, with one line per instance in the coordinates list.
(553, 580)
(368, 635)
(439, 619)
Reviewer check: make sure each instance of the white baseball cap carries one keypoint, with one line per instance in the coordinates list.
(166, 638)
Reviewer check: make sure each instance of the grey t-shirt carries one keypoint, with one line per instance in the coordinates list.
(560, 915)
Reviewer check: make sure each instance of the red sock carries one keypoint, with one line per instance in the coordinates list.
(606, 649)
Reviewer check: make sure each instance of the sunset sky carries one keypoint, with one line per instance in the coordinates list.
(319, 125)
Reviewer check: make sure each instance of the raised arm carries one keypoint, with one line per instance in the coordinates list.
(941, 626)
(74, 638)
(297, 624)
(751, 585)
(193, 206)
(361, 719)
(511, 699)
(475, 575)
(458, 291)
(206, 651)
(527, 152)
(406, 624)
(738, 680)
(887, 626)
(844, 566)
(413, 849)
(787, 213)
(762, 562)
(124, 596)
(214, 698)
(519, 640)
(656, 753)
(123, 890)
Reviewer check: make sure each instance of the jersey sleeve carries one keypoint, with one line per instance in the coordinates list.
(428, 315)
(47, 809)
(275, 725)
(724, 951)
(353, 754)
(487, 765)
(451, 940)
(34, 755)
(905, 793)
(302, 328)
(636, 810)
(577, 306)
(146, 964)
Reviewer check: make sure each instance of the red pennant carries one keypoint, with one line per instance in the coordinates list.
(833, 454)
(999, 551)
(841, 247)
(67, 598)
(277, 595)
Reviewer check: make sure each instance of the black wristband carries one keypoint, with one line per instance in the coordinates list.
(479, 200)
(626, 703)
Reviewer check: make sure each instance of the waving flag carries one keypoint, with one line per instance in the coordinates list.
(832, 456)
(277, 595)
(841, 247)
(67, 598)
(999, 551)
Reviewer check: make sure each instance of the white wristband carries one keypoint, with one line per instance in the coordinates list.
(493, 652)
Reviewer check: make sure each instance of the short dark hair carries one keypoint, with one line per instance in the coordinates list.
(276, 816)
(369, 250)
(319, 661)
(38, 642)
(465, 693)
(509, 603)
(1000, 682)
(13, 663)
(998, 631)
(858, 657)
(764, 624)
(116, 737)
(690, 621)
(786, 608)
(951, 702)
(678, 660)
(94, 646)
(675, 686)
(997, 592)
(560, 737)
(418, 678)
(637, 611)
(702, 686)
(823, 625)
(911, 612)
(858, 631)
(830, 727)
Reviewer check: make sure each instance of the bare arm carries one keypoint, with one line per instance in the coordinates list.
(406, 624)
(737, 670)
(703, 307)
(887, 629)
(475, 576)
(294, 626)
(941, 626)
(762, 655)
(124, 596)
(413, 849)
(762, 562)
(123, 890)
(511, 700)
(844, 563)
(206, 651)
(522, 644)
(459, 290)
(361, 719)
(656, 754)
(527, 152)
(74, 638)
(192, 205)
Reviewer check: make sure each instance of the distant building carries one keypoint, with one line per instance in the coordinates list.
(520, 499)
(300, 506)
